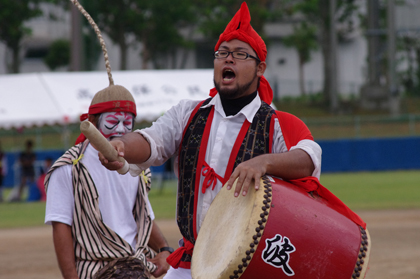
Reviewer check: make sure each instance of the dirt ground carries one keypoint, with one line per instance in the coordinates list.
(29, 253)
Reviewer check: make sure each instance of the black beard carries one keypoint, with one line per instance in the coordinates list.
(233, 93)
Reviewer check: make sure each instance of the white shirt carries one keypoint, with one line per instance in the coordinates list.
(117, 194)
(165, 136)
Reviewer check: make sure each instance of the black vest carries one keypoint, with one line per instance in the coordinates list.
(255, 142)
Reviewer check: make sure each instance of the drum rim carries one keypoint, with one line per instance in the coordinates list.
(259, 230)
(362, 262)
(264, 197)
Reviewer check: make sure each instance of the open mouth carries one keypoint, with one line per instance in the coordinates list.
(228, 75)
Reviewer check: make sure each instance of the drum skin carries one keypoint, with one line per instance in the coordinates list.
(297, 235)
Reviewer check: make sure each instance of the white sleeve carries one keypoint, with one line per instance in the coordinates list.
(309, 146)
(314, 151)
(60, 199)
(165, 135)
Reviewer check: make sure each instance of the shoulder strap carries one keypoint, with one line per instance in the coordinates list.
(193, 113)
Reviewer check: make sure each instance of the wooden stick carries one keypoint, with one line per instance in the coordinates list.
(102, 145)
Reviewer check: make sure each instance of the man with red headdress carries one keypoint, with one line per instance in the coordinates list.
(99, 216)
(235, 134)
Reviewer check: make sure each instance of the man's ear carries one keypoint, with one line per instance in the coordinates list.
(261, 68)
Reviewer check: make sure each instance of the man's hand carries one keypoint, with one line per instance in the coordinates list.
(289, 165)
(161, 264)
(113, 165)
(248, 173)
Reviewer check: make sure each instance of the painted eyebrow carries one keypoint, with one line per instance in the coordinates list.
(112, 116)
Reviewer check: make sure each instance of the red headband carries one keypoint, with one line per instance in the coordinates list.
(111, 106)
(240, 28)
(124, 105)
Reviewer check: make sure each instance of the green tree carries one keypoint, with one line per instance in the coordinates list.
(13, 15)
(115, 18)
(409, 48)
(305, 41)
(58, 54)
(318, 13)
(208, 17)
(160, 34)
(155, 24)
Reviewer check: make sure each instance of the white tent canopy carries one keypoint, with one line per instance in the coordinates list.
(60, 98)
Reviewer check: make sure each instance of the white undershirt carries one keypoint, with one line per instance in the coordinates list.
(117, 194)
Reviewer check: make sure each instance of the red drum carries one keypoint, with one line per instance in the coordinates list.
(279, 231)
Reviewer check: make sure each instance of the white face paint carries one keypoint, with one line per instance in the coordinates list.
(115, 124)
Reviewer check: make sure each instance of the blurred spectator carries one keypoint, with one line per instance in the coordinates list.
(3, 170)
(27, 169)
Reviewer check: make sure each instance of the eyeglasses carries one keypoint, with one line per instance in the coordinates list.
(235, 54)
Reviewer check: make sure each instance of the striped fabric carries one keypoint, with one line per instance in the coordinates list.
(95, 243)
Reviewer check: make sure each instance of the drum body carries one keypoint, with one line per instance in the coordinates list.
(279, 231)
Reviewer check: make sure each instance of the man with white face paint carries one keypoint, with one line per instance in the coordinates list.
(115, 124)
(98, 215)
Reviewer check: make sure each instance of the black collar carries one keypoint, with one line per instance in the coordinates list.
(233, 106)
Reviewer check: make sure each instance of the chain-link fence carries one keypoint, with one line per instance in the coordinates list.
(364, 126)
(59, 137)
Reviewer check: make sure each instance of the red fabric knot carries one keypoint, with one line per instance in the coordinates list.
(174, 259)
(84, 116)
(210, 177)
(81, 137)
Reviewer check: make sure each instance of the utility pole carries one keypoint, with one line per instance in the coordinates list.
(373, 94)
(333, 45)
(373, 38)
(391, 38)
(76, 40)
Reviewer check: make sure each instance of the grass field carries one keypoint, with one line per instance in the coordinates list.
(360, 191)
(376, 190)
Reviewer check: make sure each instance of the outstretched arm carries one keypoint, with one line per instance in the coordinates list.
(63, 244)
(133, 147)
(157, 241)
(293, 164)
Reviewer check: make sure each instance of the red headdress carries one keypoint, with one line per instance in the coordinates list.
(240, 28)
